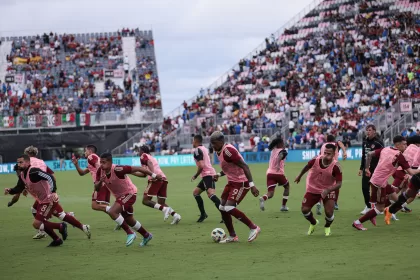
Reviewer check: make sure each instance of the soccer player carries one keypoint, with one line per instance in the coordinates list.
(239, 183)
(338, 145)
(156, 188)
(207, 172)
(115, 178)
(100, 199)
(275, 173)
(389, 159)
(42, 187)
(371, 143)
(323, 181)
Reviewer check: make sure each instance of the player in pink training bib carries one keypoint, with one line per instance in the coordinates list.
(115, 178)
(389, 160)
(156, 188)
(207, 172)
(100, 199)
(239, 183)
(275, 174)
(322, 182)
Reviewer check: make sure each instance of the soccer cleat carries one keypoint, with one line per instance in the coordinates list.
(146, 240)
(117, 227)
(230, 239)
(394, 217)
(253, 234)
(167, 211)
(63, 231)
(262, 204)
(407, 210)
(312, 228)
(202, 218)
(318, 208)
(364, 211)
(130, 239)
(327, 231)
(56, 243)
(176, 219)
(86, 230)
(284, 209)
(336, 207)
(39, 235)
(388, 216)
(373, 221)
(358, 226)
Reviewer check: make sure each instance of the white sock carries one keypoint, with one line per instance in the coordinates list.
(157, 206)
(107, 209)
(357, 222)
(119, 220)
(137, 226)
(404, 205)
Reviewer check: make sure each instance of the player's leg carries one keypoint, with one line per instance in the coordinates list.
(309, 200)
(115, 213)
(227, 218)
(210, 188)
(377, 198)
(168, 210)
(337, 192)
(413, 189)
(319, 207)
(44, 212)
(271, 187)
(237, 193)
(152, 190)
(286, 192)
(329, 205)
(39, 233)
(65, 217)
(200, 203)
(100, 199)
(366, 193)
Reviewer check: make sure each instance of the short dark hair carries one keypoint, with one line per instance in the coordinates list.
(330, 138)
(145, 149)
(275, 142)
(330, 146)
(25, 157)
(92, 148)
(398, 139)
(198, 138)
(107, 156)
(371, 126)
(16, 167)
(413, 140)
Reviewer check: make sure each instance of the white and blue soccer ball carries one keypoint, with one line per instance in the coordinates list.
(218, 234)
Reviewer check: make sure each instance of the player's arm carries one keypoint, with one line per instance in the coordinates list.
(15, 199)
(406, 166)
(37, 175)
(20, 186)
(369, 156)
(338, 175)
(199, 157)
(362, 161)
(305, 169)
(136, 169)
(99, 180)
(81, 171)
(343, 148)
(282, 156)
(218, 175)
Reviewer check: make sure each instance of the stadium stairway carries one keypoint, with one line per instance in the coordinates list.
(129, 50)
(5, 49)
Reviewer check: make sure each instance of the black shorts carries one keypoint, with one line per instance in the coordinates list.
(206, 183)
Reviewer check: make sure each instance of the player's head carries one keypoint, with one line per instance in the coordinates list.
(106, 161)
(31, 151)
(400, 143)
(329, 152)
(415, 140)
(330, 138)
(217, 140)
(90, 149)
(276, 143)
(23, 162)
(144, 149)
(370, 131)
(16, 169)
(197, 140)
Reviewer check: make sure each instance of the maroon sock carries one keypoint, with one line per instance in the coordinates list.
(161, 207)
(73, 221)
(173, 213)
(242, 217)
(284, 201)
(369, 215)
(265, 197)
(227, 219)
(310, 218)
(49, 229)
(126, 228)
(143, 232)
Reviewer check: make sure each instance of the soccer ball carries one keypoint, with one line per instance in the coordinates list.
(218, 234)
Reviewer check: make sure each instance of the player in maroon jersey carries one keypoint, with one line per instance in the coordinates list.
(207, 172)
(115, 178)
(239, 183)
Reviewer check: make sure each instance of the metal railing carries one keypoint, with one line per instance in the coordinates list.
(396, 128)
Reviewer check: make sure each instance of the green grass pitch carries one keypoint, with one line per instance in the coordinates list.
(186, 251)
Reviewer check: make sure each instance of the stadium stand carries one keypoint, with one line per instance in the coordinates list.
(79, 79)
(336, 68)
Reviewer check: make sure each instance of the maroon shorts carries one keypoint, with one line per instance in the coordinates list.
(35, 205)
(127, 201)
(399, 181)
(102, 196)
(235, 191)
(44, 211)
(411, 186)
(276, 179)
(379, 195)
(310, 199)
(157, 188)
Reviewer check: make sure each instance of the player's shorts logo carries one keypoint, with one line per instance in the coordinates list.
(304, 200)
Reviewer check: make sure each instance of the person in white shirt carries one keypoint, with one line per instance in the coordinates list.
(241, 147)
(291, 126)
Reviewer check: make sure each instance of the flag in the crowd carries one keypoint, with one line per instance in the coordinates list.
(82, 119)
